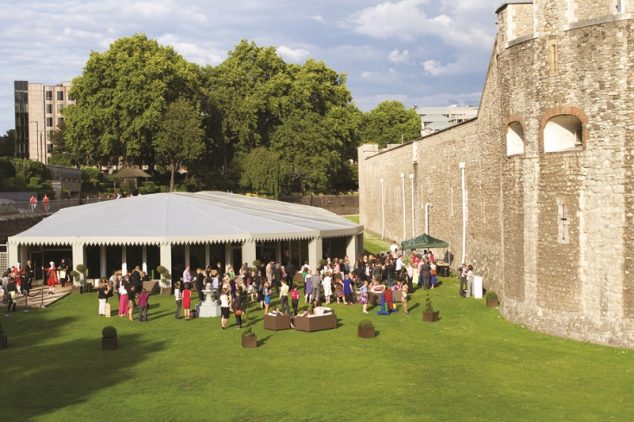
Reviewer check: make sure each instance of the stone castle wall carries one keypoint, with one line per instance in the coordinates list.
(551, 232)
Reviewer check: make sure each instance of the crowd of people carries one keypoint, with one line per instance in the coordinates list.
(334, 280)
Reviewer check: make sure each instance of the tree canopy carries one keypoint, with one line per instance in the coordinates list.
(253, 122)
(390, 123)
(179, 140)
(121, 98)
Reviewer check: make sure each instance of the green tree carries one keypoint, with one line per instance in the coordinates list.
(60, 155)
(7, 144)
(179, 140)
(264, 171)
(313, 153)
(120, 100)
(242, 97)
(390, 123)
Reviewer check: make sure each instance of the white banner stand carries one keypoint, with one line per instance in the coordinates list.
(477, 286)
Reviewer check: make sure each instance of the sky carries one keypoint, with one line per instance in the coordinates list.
(420, 52)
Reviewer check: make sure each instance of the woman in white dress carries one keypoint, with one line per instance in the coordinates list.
(326, 284)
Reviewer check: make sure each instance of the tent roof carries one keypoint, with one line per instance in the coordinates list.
(423, 241)
(129, 173)
(185, 218)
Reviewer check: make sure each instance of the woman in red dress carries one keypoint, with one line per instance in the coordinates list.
(51, 278)
(187, 300)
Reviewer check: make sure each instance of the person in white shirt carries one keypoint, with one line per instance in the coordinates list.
(394, 248)
(178, 298)
(327, 286)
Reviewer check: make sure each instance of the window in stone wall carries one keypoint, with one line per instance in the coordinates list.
(563, 133)
(563, 222)
(514, 139)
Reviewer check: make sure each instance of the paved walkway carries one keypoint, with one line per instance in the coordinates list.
(39, 297)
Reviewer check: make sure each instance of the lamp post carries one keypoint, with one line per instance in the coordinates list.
(427, 207)
(403, 196)
(411, 179)
(462, 166)
(382, 212)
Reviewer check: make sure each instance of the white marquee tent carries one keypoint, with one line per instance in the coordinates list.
(170, 219)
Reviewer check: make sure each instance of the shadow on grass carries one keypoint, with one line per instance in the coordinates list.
(263, 340)
(58, 374)
(414, 306)
(160, 315)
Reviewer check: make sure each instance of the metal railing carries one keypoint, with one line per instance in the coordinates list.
(25, 208)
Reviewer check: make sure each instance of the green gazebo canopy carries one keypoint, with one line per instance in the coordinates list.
(423, 241)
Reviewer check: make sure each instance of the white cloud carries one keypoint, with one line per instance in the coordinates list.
(396, 56)
(366, 74)
(436, 68)
(318, 18)
(390, 20)
(192, 51)
(293, 55)
(406, 20)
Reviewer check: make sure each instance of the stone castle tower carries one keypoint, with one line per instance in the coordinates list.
(548, 172)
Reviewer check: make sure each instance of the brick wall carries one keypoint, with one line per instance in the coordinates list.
(580, 286)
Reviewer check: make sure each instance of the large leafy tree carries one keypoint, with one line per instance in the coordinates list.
(307, 145)
(179, 140)
(7, 144)
(390, 123)
(256, 103)
(121, 97)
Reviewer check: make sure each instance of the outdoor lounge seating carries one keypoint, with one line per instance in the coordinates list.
(316, 322)
(277, 322)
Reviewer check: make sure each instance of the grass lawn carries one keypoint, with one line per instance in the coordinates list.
(372, 242)
(470, 365)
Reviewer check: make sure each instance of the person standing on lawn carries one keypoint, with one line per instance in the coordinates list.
(347, 290)
(51, 277)
(143, 305)
(266, 291)
(123, 299)
(224, 307)
(178, 298)
(364, 296)
(295, 299)
(404, 292)
(284, 296)
(102, 294)
(187, 300)
(200, 280)
(237, 307)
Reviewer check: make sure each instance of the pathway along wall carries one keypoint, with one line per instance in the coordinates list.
(551, 232)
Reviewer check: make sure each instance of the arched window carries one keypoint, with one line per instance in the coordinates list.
(563, 133)
(514, 139)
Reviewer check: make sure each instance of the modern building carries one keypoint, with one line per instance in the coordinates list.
(39, 110)
(536, 192)
(434, 119)
(178, 229)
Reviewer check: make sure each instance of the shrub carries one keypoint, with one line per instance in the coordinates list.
(75, 275)
(428, 306)
(109, 332)
(81, 268)
(149, 188)
(491, 296)
(366, 323)
(248, 333)
(161, 269)
(257, 264)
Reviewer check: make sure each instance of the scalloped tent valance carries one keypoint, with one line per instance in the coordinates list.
(185, 218)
